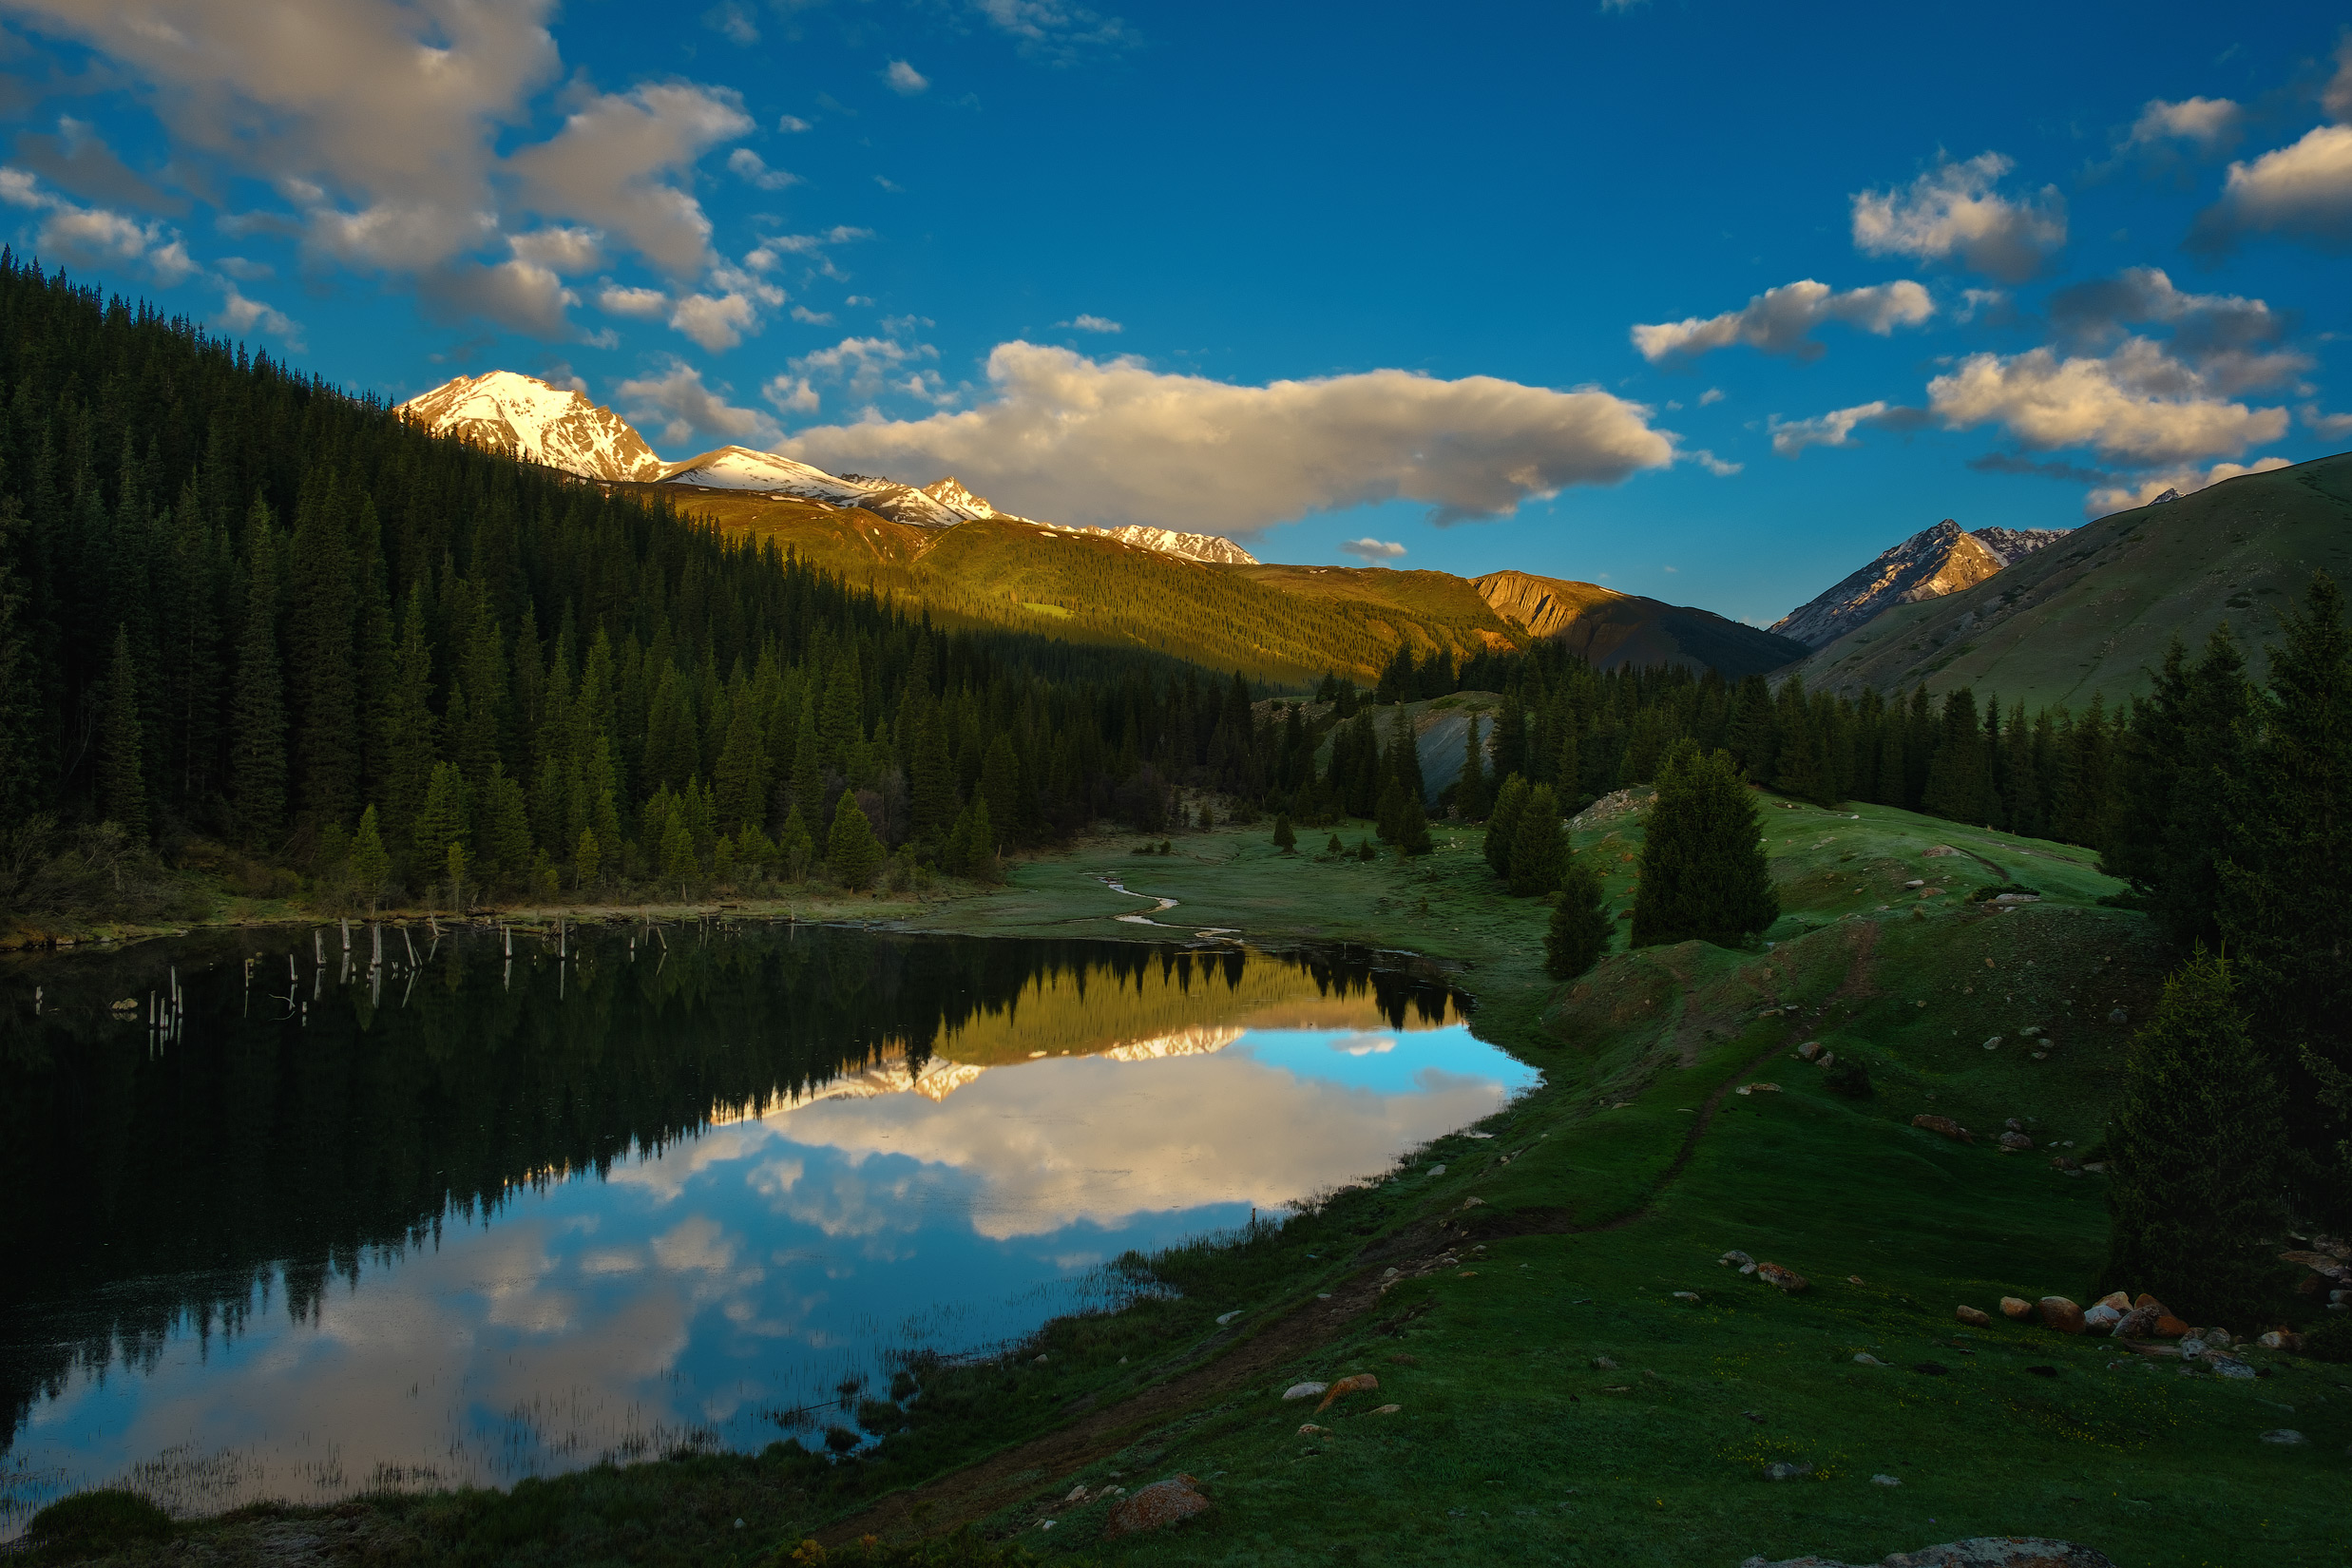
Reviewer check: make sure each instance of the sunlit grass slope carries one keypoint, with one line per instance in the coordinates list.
(1283, 624)
(2094, 612)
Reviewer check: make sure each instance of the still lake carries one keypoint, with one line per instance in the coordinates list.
(470, 1216)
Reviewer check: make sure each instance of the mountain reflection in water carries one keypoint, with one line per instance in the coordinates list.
(486, 1217)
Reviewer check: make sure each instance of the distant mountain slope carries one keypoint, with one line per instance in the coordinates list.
(1287, 624)
(1612, 629)
(1930, 564)
(2014, 545)
(525, 417)
(2095, 612)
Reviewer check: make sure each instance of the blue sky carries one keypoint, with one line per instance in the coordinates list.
(1305, 274)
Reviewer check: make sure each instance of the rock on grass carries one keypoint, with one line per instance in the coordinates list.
(1981, 1552)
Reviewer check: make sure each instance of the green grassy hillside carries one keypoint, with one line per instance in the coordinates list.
(2095, 612)
(1285, 625)
(1612, 630)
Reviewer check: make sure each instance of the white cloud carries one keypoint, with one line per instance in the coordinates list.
(2337, 97)
(244, 270)
(1781, 321)
(890, 185)
(1834, 428)
(2208, 121)
(2330, 427)
(382, 109)
(1714, 465)
(612, 163)
(643, 305)
(2304, 191)
(684, 407)
(754, 169)
(1713, 395)
(241, 315)
(1091, 323)
(733, 20)
(865, 365)
(1371, 551)
(2185, 481)
(2137, 406)
(792, 124)
(814, 319)
(96, 235)
(515, 293)
(791, 393)
(560, 250)
(1115, 442)
(904, 78)
(2230, 339)
(716, 322)
(1953, 212)
(1056, 31)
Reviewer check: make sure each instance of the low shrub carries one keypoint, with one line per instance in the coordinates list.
(98, 1521)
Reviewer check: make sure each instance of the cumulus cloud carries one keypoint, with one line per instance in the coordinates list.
(716, 322)
(2330, 427)
(864, 365)
(792, 124)
(1116, 441)
(2138, 405)
(518, 294)
(814, 319)
(682, 407)
(1834, 428)
(791, 393)
(2303, 191)
(1953, 213)
(2233, 341)
(2337, 97)
(241, 315)
(2185, 481)
(1091, 323)
(98, 236)
(643, 304)
(614, 162)
(1371, 551)
(1781, 321)
(753, 170)
(560, 250)
(2208, 123)
(905, 80)
(384, 109)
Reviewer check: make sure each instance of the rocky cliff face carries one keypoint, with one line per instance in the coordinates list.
(2014, 545)
(525, 417)
(1614, 629)
(1930, 564)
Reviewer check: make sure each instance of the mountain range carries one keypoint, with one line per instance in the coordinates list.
(2043, 615)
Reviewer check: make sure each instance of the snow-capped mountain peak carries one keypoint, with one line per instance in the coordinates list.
(526, 417)
(951, 493)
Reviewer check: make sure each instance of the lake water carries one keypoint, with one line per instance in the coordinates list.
(471, 1216)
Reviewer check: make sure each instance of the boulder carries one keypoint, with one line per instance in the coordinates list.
(1787, 1280)
(1385, 1410)
(2101, 1318)
(2119, 1300)
(2281, 1339)
(1974, 1317)
(1363, 1383)
(1156, 1507)
(1807, 1051)
(1304, 1390)
(2016, 1140)
(1864, 1358)
(2016, 1308)
(2169, 1327)
(2144, 1299)
(2287, 1436)
(2138, 1323)
(1735, 1257)
(1780, 1470)
(1944, 1126)
(2059, 1313)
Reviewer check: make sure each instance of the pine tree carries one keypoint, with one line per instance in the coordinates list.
(2194, 1146)
(1578, 933)
(587, 859)
(931, 778)
(1000, 785)
(1413, 828)
(1539, 852)
(1960, 779)
(20, 729)
(1502, 824)
(1285, 840)
(371, 863)
(446, 821)
(1389, 815)
(323, 609)
(1703, 871)
(853, 854)
(808, 774)
(258, 707)
(409, 725)
(504, 831)
(679, 863)
(122, 786)
(798, 845)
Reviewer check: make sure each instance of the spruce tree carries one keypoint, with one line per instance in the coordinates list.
(1285, 840)
(587, 859)
(1413, 829)
(122, 785)
(409, 725)
(1000, 785)
(1471, 793)
(930, 780)
(1703, 871)
(798, 845)
(1389, 815)
(322, 623)
(445, 819)
(1959, 779)
(1539, 852)
(371, 863)
(258, 707)
(20, 727)
(1578, 933)
(1502, 824)
(853, 854)
(2194, 1146)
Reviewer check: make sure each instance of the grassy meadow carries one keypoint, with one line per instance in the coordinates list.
(1577, 1379)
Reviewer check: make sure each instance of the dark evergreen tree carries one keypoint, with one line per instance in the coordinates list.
(1703, 870)
(1502, 824)
(257, 708)
(1960, 779)
(1538, 850)
(322, 616)
(1284, 839)
(1470, 791)
(1413, 828)
(1578, 932)
(2196, 1191)
(122, 745)
(852, 854)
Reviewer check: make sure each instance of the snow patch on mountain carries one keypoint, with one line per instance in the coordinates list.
(525, 417)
